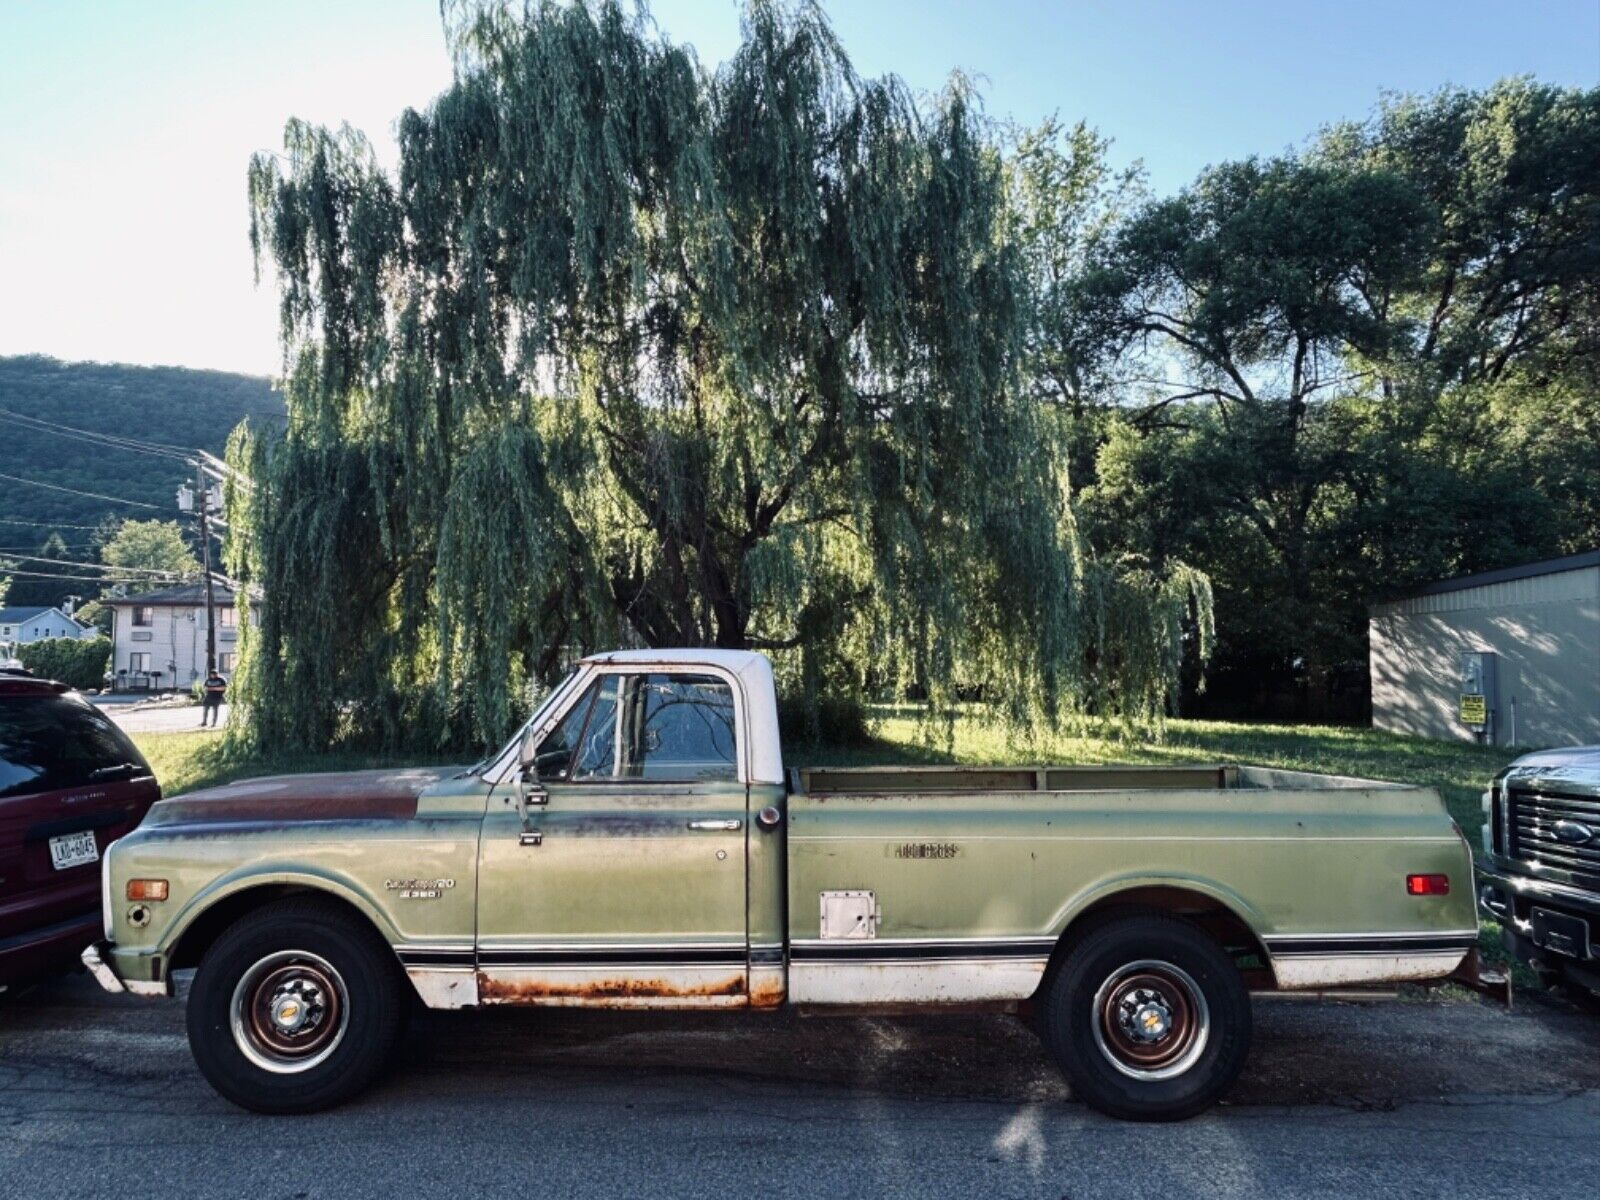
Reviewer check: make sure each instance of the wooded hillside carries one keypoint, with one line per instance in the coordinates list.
(165, 404)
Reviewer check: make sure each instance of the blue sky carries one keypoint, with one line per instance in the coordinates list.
(125, 125)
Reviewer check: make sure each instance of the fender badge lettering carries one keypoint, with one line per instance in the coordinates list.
(419, 889)
(937, 850)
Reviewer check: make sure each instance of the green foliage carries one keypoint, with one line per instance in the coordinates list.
(76, 662)
(150, 546)
(93, 612)
(1343, 373)
(46, 584)
(168, 404)
(629, 351)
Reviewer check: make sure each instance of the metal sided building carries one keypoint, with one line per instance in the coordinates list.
(1509, 657)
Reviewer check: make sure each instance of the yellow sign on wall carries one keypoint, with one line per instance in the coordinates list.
(1474, 710)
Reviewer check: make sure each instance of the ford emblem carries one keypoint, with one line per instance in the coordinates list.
(1572, 833)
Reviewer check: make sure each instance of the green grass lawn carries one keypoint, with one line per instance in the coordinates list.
(184, 761)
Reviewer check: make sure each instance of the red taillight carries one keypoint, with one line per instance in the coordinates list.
(1428, 885)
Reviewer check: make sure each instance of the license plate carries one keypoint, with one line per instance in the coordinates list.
(1560, 933)
(73, 850)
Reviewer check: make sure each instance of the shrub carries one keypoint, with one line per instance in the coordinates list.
(77, 662)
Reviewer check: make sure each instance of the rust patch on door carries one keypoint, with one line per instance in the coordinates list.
(605, 993)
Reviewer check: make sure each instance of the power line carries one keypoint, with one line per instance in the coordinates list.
(76, 492)
(40, 425)
(36, 546)
(153, 572)
(80, 578)
(44, 524)
(103, 442)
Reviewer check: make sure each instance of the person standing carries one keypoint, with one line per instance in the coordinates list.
(215, 688)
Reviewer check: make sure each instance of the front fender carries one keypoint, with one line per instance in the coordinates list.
(256, 875)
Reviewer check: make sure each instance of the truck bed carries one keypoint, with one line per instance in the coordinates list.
(885, 780)
(955, 883)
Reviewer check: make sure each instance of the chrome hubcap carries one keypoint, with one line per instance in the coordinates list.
(1151, 1020)
(289, 1011)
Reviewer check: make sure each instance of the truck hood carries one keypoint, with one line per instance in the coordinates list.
(384, 795)
(1571, 767)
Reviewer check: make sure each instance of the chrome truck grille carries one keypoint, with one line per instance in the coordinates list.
(1556, 830)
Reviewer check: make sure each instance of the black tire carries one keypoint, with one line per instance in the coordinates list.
(304, 959)
(1148, 1018)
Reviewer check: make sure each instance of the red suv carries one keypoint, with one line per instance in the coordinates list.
(71, 783)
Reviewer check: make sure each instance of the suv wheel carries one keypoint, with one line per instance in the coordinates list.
(1148, 1018)
(295, 1008)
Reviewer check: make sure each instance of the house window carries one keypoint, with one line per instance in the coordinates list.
(228, 618)
(225, 660)
(139, 662)
(144, 614)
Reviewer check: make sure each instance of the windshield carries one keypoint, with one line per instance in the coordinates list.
(482, 764)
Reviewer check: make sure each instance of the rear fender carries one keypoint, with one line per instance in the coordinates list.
(1106, 890)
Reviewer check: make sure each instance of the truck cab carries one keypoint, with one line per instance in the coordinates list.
(632, 854)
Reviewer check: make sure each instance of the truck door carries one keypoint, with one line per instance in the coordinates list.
(626, 886)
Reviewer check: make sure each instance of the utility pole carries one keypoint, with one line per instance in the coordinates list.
(202, 507)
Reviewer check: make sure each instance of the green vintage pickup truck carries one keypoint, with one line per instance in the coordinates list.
(641, 845)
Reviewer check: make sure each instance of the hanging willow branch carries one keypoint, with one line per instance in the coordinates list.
(627, 350)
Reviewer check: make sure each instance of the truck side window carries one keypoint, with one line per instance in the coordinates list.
(595, 755)
(680, 727)
(556, 751)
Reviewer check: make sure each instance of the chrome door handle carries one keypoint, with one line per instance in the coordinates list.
(716, 826)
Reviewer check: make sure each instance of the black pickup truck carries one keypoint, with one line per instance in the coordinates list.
(1540, 877)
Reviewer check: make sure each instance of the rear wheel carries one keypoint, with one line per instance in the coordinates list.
(297, 1007)
(1148, 1018)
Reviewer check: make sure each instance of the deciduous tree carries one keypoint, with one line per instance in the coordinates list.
(629, 350)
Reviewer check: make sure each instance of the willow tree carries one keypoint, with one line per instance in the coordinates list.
(627, 350)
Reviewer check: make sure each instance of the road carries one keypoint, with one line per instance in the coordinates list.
(1403, 1098)
(156, 718)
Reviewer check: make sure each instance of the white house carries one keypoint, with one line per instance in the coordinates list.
(21, 625)
(158, 639)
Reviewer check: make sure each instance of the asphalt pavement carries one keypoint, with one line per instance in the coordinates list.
(148, 717)
(1400, 1098)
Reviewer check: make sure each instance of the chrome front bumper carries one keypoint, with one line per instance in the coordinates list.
(112, 982)
(103, 975)
(1497, 888)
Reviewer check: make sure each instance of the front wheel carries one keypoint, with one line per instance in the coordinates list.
(295, 1008)
(1148, 1018)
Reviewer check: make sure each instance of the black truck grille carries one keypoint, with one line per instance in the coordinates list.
(1533, 820)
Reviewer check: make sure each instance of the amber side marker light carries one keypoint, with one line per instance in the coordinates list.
(147, 889)
(1428, 885)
